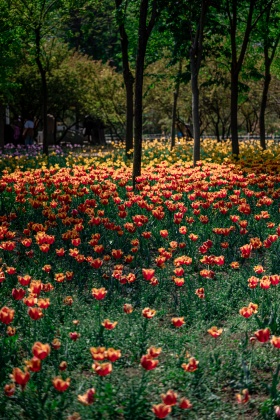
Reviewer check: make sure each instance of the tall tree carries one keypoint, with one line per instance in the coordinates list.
(148, 12)
(121, 8)
(243, 17)
(270, 37)
(39, 21)
(196, 51)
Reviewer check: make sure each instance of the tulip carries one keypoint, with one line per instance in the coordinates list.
(215, 332)
(113, 354)
(108, 324)
(161, 410)
(178, 322)
(99, 294)
(21, 378)
(275, 341)
(148, 362)
(127, 308)
(262, 335)
(33, 364)
(74, 335)
(56, 344)
(10, 331)
(170, 398)
(88, 397)
(40, 350)
(35, 313)
(9, 389)
(148, 313)
(154, 352)
(244, 397)
(102, 369)
(62, 366)
(185, 404)
(6, 315)
(61, 385)
(191, 366)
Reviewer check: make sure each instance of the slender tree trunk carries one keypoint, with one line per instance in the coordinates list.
(268, 59)
(45, 113)
(175, 101)
(129, 115)
(44, 90)
(267, 80)
(195, 111)
(234, 113)
(2, 125)
(138, 113)
(173, 126)
(217, 131)
(144, 32)
(128, 80)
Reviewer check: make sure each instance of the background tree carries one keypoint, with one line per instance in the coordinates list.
(39, 21)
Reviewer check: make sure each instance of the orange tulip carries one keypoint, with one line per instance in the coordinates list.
(262, 335)
(102, 369)
(21, 378)
(170, 398)
(33, 364)
(148, 273)
(148, 313)
(179, 281)
(74, 335)
(127, 308)
(88, 397)
(10, 331)
(61, 385)
(99, 294)
(275, 341)
(24, 280)
(11, 270)
(178, 322)
(108, 324)
(153, 351)
(246, 312)
(191, 366)
(148, 362)
(215, 332)
(113, 354)
(41, 350)
(98, 353)
(161, 410)
(9, 389)
(63, 366)
(43, 303)
(185, 404)
(6, 315)
(56, 344)
(244, 397)
(35, 313)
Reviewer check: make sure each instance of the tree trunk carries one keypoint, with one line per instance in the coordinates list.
(173, 126)
(267, 80)
(143, 36)
(128, 81)
(45, 112)
(234, 111)
(195, 111)
(217, 131)
(129, 115)
(44, 90)
(2, 125)
(137, 156)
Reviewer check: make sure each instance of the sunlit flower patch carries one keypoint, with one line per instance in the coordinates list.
(112, 298)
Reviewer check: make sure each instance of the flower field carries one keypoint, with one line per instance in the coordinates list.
(161, 302)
